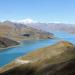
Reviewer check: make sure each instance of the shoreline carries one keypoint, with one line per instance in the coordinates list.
(10, 65)
(3, 49)
(20, 56)
(18, 44)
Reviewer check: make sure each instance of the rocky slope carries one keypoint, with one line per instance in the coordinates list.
(5, 42)
(58, 59)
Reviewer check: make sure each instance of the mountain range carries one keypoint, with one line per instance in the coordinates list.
(42, 26)
(18, 31)
(56, 26)
(49, 27)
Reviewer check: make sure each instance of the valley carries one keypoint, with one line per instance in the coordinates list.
(34, 51)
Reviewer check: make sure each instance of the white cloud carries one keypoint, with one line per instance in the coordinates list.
(26, 21)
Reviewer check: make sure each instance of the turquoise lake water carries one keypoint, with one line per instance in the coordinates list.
(11, 54)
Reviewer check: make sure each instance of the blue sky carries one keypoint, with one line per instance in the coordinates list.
(40, 10)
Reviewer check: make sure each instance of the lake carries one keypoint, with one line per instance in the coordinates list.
(11, 54)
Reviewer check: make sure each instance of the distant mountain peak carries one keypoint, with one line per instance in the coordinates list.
(26, 21)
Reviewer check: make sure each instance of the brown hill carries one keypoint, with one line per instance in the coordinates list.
(19, 32)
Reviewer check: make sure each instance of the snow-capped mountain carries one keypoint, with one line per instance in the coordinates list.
(26, 21)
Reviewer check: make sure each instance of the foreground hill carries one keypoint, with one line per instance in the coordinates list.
(17, 31)
(58, 59)
(5, 42)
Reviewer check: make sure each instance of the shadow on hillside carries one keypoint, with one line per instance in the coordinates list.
(65, 68)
